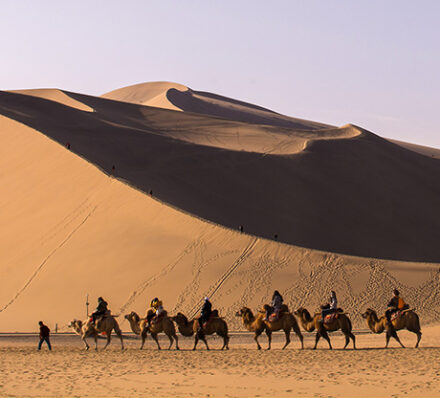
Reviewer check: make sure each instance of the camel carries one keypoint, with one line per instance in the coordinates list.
(164, 324)
(310, 324)
(105, 325)
(215, 325)
(408, 320)
(257, 324)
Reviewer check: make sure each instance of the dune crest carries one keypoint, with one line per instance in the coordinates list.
(178, 97)
(56, 95)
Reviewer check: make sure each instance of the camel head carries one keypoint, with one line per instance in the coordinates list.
(302, 313)
(368, 313)
(132, 316)
(76, 325)
(243, 311)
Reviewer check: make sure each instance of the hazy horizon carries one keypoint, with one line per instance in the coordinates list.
(374, 65)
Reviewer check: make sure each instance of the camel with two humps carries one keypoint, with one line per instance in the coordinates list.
(341, 322)
(164, 324)
(257, 324)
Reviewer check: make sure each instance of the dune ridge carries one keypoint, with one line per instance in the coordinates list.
(178, 97)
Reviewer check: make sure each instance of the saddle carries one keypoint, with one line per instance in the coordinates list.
(214, 314)
(329, 318)
(157, 318)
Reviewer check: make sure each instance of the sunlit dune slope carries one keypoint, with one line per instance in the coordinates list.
(178, 97)
(355, 193)
(69, 229)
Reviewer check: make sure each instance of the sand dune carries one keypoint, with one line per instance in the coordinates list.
(72, 226)
(178, 97)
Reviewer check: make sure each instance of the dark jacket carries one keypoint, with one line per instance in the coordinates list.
(207, 308)
(102, 306)
(394, 302)
(44, 331)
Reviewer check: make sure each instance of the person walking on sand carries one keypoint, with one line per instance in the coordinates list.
(44, 335)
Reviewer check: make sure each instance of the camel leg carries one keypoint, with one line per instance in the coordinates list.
(154, 336)
(109, 339)
(324, 334)
(287, 333)
(143, 337)
(387, 338)
(203, 338)
(347, 340)
(177, 341)
(269, 338)
(85, 342)
(354, 340)
(299, 334)
(171, 341)
(257, 334)
(96, 342)
(419, 335)
(394, 334)
(225, 342)
(196, 340)
(317, 337)
(119, 334)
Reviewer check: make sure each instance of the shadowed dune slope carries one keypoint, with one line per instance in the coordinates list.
(178, 97)
(361, 196)
(69, 229)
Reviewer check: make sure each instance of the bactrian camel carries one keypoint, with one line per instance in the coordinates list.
(105, 325)
(257, 324)
(407, 320)
(341, 322)
(215, 325)
(164, 324)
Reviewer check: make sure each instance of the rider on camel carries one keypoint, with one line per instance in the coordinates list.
(205, 313)
(101, 309)
(158, 309)
(396, 304)
(277, 302)
(329, 308)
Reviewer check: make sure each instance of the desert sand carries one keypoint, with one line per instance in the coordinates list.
(148, 201)
(243, 371)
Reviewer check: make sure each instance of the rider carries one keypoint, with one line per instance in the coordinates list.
(331, 307)
(396, 304)
(101, 309)
(157, 306)
(277, 302)
(205, 313)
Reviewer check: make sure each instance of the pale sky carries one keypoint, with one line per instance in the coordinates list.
(372, 63)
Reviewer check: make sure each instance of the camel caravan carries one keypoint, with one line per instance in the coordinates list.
(269, 319)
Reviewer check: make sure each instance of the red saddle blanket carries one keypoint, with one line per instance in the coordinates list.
(396, 315)
(331, 317)
(274, 317)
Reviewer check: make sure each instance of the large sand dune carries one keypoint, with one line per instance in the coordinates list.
(72, 226)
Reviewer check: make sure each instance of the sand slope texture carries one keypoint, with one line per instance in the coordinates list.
(322, 208)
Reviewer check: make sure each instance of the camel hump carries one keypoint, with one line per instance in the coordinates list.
(214, 314)
(284, 308)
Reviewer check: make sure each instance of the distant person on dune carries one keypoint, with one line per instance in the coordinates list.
(205, 313)
(44, 336)
(329, 308)
(396, 304)
(101, 309)
(275, 307)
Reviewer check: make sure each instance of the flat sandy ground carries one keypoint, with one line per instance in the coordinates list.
(242, 371)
